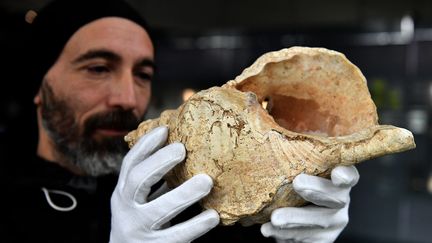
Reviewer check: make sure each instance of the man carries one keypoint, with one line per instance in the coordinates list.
(92, 62)
(95, 61)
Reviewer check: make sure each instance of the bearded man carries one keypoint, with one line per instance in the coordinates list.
(89, 66)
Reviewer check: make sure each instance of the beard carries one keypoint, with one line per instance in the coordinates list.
(76, 144)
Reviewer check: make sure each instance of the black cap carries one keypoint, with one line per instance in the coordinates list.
(58, 21)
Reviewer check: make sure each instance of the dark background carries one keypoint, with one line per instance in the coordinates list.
(205, 43)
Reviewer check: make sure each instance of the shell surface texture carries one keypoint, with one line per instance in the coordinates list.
(296, 110)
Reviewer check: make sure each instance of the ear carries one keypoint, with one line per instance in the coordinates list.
(37, 100)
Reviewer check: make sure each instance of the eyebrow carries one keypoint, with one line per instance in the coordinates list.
(100, 53)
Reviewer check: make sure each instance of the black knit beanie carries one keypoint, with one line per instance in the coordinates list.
(58, 21)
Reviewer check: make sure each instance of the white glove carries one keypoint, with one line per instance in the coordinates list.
(319, 223)
(135, 218)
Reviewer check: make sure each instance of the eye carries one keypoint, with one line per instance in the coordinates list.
(144, 76)
(98, 69)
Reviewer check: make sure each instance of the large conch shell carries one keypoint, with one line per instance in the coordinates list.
(319, 115)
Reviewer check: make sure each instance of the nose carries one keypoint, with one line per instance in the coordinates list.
(123, 93)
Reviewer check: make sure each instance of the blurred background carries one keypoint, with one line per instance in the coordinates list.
(206, 43)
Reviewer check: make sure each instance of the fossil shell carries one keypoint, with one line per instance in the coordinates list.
(319, 115)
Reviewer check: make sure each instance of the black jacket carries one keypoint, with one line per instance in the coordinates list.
(28, 217)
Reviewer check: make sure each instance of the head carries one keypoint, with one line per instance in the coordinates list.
(96, 90)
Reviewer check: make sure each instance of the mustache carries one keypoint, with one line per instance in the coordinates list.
(118, 119)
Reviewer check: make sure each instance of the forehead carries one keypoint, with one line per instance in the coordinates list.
(119, 35)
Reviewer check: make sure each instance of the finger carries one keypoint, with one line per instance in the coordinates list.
(192, 228)
(172, 203)
(309, 216)
(151, 170)
(145, 146)
(304, 235)
(320, 191)
(345, 176)
(160, 191)
(268, 230)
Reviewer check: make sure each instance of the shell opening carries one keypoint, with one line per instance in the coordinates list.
(321, 94)
(301, 115)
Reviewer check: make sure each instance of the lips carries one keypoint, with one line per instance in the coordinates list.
(111, 132)
(111, 124)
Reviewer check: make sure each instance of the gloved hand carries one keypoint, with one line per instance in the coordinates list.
(319, 223)
(135, 218)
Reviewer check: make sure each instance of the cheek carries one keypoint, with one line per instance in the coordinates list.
(85, 103)
(143, 99)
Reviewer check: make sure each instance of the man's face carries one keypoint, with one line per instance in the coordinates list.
(96, 92)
